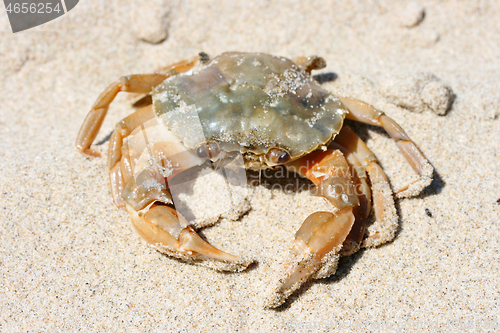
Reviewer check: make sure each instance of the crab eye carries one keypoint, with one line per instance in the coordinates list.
(214, 150)
(203, 151)
(278, 156)
(208, 150)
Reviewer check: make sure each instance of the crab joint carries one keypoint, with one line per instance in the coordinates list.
(320, 236)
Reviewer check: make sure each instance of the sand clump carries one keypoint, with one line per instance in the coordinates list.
(418, 92)
(150, 21)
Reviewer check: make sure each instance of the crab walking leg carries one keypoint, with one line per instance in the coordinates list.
(320, 238)
(118, 171)
(170, 70)
(366, 113)
(385, 226)
(141, 83)
(355, 238)
(123, 129)
(179, 67)
(117, 182)
(360, 178)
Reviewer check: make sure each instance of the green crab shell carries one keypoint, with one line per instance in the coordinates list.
(251, 101)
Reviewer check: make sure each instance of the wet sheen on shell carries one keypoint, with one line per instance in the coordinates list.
(251, 101)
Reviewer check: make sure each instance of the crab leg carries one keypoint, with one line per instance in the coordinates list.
(320, 238)
(138, 83)
(360, 179)
(119, 172)
(131, 83)
(123, 129)
(366, 113)
(386, 219)
(182, 66)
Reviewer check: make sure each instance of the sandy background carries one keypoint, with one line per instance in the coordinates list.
(70, 260)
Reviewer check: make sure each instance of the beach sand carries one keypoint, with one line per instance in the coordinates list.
(69, 259)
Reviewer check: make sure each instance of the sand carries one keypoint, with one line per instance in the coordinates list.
(70, 260)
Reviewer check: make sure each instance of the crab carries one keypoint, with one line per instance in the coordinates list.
(263, 111)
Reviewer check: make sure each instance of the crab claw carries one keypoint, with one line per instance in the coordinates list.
(317, 243)
(167, 231)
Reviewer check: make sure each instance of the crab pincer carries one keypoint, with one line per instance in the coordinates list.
(319, 240)
(166, 230)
